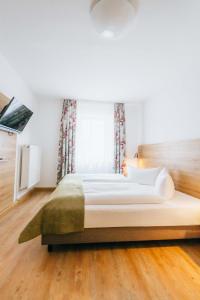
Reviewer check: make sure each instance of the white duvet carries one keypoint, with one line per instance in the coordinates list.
(119, 193)
(103, 177)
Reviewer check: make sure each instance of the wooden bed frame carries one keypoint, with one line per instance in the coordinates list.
(182, 159)
(122, 234)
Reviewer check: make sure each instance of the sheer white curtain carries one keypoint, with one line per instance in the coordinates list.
(95, 137)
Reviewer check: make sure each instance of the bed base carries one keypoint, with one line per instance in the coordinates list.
(122, 234)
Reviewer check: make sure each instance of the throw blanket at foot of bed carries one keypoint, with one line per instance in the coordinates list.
(62, 214)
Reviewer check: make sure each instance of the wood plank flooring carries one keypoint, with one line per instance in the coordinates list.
(130, 271)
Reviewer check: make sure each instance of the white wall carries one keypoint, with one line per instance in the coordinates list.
(11, 84)
(173, 110)
(47, 135)
(173, 115)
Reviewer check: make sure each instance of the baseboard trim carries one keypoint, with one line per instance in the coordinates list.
(25, 196)
(19, 201)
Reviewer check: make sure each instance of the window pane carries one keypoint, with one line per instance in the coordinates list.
(95, 138)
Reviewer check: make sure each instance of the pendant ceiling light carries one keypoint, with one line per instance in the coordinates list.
(112, 17)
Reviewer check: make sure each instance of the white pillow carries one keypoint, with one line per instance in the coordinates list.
(164, 185)
(143, 176)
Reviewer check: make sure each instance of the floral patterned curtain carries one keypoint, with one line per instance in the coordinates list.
(120, 136)
(66, 152)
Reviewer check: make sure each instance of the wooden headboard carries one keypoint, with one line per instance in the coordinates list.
(182, 159)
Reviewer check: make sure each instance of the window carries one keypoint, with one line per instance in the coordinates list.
(95, 137)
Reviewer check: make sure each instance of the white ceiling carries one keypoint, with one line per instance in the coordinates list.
(53, 46)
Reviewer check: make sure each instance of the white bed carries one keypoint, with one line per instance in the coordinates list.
(106, 221)
(177, 216)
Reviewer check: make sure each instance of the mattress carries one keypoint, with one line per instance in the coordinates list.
(182, 210)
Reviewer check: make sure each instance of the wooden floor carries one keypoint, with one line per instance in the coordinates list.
(130, 271)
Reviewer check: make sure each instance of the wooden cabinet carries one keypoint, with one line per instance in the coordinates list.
(7, 169)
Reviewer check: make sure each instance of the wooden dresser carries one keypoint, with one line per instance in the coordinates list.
(7, 164)
(7, 169)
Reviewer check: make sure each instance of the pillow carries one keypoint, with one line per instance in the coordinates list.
(164, 185)
(143, 176)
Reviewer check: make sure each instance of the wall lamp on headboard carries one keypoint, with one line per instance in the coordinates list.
(138, 160)
(132, 161)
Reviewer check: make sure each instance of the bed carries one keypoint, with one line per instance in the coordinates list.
(177, 218)
(121, 220)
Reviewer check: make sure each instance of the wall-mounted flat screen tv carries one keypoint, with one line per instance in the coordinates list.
(14, 116)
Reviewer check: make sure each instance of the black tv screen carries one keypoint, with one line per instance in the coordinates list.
(15, 116)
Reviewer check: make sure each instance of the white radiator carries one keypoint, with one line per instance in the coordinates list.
(30, 166)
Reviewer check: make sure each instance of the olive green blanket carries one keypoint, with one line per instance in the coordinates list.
(62, 214)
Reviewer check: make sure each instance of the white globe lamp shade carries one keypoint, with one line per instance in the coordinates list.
(112, 17)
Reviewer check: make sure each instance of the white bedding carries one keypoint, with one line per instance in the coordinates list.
(182, 210)
(109, 209)
(115, 193)
(103, 177)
